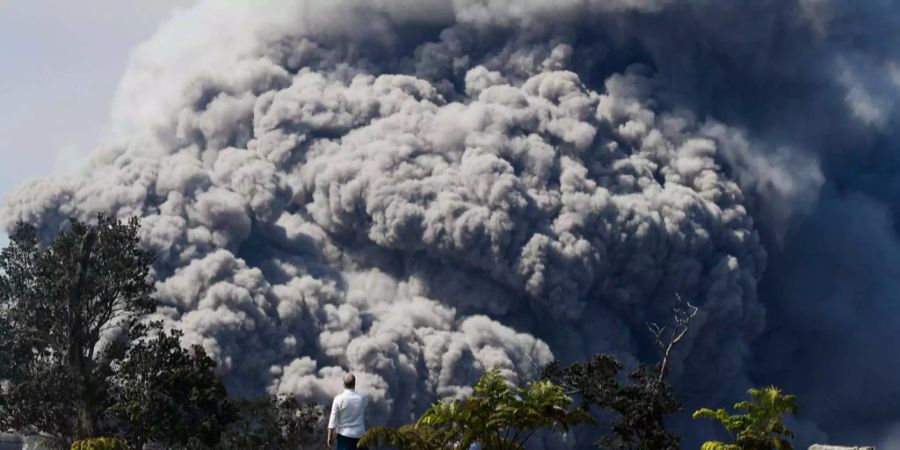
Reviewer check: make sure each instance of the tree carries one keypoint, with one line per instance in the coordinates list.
(7, 360)
(168, 396)
(641, 405)
(498, 416)
(761, 427)
(643, 402)
(275, 423)
(59, 303)
(682, 313)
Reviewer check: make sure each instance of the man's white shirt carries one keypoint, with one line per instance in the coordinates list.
(347, 414)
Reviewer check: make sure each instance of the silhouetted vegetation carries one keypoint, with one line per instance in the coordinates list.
(276, 423)
(640, 404)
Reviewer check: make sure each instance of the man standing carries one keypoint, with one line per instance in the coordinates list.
(347, 413)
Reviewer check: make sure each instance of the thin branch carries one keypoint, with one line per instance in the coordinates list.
(683, 312)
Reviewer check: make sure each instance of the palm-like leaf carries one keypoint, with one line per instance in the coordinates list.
(760, 427)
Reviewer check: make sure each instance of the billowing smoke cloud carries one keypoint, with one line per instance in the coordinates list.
(419, 190)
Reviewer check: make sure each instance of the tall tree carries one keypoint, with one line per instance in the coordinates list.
(59, 304)
(641, 403)
(165, 395)
(761, 425)
(498, 417)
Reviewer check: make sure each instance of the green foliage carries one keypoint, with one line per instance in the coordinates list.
(65, 379)
(760, 427)
(716, 445)
(7, 358)
(56, 302)
(275, 423)
(411, 437)
(103, 443)
(498, 416)
(166, 395)
(640, 405)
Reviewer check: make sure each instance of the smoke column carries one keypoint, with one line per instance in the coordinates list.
(418, 190)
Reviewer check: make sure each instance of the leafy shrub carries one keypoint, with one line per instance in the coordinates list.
(102, 443)
(498, 417)
(761, 427)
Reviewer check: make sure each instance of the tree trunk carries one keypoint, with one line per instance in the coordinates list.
(86, 420)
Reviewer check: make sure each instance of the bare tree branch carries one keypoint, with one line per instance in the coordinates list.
(683, 312)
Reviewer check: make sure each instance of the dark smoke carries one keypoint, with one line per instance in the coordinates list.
(418, 190)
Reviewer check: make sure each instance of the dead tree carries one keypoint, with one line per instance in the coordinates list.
(682, 312)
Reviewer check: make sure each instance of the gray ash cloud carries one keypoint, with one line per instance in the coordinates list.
(419, 190)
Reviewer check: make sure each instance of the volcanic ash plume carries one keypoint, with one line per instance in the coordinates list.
(418, 191)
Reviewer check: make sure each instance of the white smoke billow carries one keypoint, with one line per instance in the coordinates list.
(419, 190)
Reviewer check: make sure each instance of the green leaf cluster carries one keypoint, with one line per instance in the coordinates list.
(102, 443)
(760, 427)
(498, 417)
(168, 395)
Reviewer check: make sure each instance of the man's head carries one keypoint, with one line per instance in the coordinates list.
(349, 381)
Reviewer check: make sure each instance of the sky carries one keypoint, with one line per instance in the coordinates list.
(60, 63)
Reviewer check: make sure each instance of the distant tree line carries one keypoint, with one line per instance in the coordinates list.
(82, 367)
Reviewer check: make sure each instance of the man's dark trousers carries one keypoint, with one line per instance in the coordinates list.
(346, 443)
